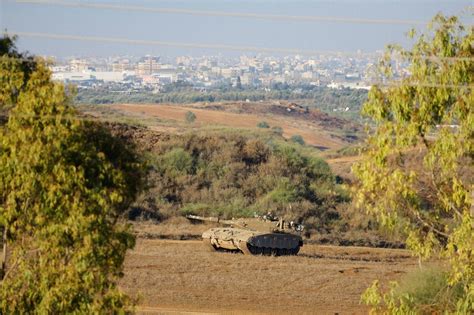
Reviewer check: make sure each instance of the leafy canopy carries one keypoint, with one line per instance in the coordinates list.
(19, 65)
(64, 183)
(417, 176)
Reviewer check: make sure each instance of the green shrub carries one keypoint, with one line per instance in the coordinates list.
(297, 139)
(427, 291)
(285, 192)
(277, 130)
(422, 291)
(177, 162)
(263, 124)
(190, 117)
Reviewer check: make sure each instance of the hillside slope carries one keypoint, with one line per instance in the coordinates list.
(321, 133)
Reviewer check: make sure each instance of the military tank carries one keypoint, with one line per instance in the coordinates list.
(253, 236)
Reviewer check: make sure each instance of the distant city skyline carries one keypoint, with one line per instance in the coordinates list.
(198, 29)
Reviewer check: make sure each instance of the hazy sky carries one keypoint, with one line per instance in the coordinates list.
(321, 36)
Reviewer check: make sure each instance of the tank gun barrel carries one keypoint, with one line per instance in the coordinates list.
(210, 219)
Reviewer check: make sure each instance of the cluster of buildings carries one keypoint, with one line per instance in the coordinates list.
(208, 72)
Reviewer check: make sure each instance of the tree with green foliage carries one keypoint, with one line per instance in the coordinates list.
(190, 117)
(64, 184)
(19, 66)
(417, 175)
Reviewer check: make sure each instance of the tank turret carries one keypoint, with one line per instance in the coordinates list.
(265, 235)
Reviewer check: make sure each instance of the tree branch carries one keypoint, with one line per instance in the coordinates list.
(428, 225)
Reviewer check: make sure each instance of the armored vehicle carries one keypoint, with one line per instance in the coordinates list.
(256, 236)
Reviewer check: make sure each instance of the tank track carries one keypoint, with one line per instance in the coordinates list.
(249, 249)
(266, 251)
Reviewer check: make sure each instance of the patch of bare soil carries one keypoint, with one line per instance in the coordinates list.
(143, 137)
(312, 133)
(183, 277)
(283, 108)
(342, 166)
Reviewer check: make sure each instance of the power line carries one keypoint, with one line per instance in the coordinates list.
(332, 19)
(295, 51)
(422, 84)
(180, 44)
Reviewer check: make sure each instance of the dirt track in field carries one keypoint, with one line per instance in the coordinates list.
(182, 277)
(311, 133)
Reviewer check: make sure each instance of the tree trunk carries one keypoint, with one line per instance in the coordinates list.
(3, 257)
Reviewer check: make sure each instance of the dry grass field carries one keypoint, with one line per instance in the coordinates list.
(312, 133)
(183, 277)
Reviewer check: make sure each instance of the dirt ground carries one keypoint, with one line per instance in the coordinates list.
(173, 276)
(311, 132)
(342, 166)
(183, 277)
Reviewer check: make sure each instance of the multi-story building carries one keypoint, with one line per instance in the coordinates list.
(78, 65)
(148, 65)
(248, 79)
(230, 72)
(183, 60)
(122, 65)
(309, 75)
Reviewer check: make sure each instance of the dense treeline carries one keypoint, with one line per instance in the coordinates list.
(230, 175)
(323, 98)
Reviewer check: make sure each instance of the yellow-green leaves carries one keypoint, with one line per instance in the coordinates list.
(418, 171)
(9, 84)
(64, 183)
